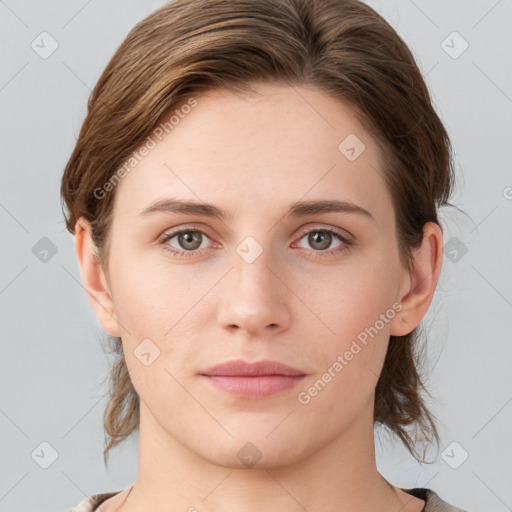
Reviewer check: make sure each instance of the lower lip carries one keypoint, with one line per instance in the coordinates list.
(254, 387)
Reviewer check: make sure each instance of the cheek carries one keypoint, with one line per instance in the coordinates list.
(349, 361)
(356, 308)
(156, 316)
(161, 312)
(349, 298)
(152, 295)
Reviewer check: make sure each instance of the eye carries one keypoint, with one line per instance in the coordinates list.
(321, 239)
(189, 241)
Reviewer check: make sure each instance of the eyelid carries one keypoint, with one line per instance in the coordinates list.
(342, 233)
(346, 238)
(167, 235)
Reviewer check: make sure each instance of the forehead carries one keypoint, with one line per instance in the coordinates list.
(246, 152)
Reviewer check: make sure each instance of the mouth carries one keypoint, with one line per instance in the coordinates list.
(254, 387)
(253, 380)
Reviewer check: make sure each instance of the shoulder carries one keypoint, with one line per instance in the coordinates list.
(433, 502)
(92, 502)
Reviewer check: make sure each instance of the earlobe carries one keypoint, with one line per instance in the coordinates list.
(422, 281)
(94, 279)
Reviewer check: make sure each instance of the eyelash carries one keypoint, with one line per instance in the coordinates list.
(347, 242)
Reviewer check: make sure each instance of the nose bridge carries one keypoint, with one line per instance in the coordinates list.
(254, 298)
(252, 274)
(252, 270)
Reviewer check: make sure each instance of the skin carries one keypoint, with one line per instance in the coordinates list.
(253, 156)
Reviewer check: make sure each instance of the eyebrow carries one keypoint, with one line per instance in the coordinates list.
(297, 209)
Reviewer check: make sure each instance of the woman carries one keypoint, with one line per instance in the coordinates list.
(254, 197)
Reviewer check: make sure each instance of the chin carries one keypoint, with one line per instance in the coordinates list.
(251, 452)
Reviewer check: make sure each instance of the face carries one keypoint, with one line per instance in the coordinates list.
(275, 278)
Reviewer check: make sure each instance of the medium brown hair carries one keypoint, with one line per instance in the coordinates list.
(341, 47)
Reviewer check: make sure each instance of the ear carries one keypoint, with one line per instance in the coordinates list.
(94, 279)
(420, 284)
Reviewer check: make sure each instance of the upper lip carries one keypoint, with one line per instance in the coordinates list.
(258, 368)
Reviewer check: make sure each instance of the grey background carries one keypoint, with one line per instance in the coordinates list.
(52, 367)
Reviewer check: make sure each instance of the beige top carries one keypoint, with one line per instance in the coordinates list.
(433, 503)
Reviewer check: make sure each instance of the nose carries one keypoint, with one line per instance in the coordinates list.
(254, 297)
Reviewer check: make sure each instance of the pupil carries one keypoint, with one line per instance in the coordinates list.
(188, 238)
(322, 238)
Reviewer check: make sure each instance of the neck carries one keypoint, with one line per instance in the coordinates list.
(340, 476)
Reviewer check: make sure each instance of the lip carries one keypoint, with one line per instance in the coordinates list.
(240, 368)
(253, 380)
